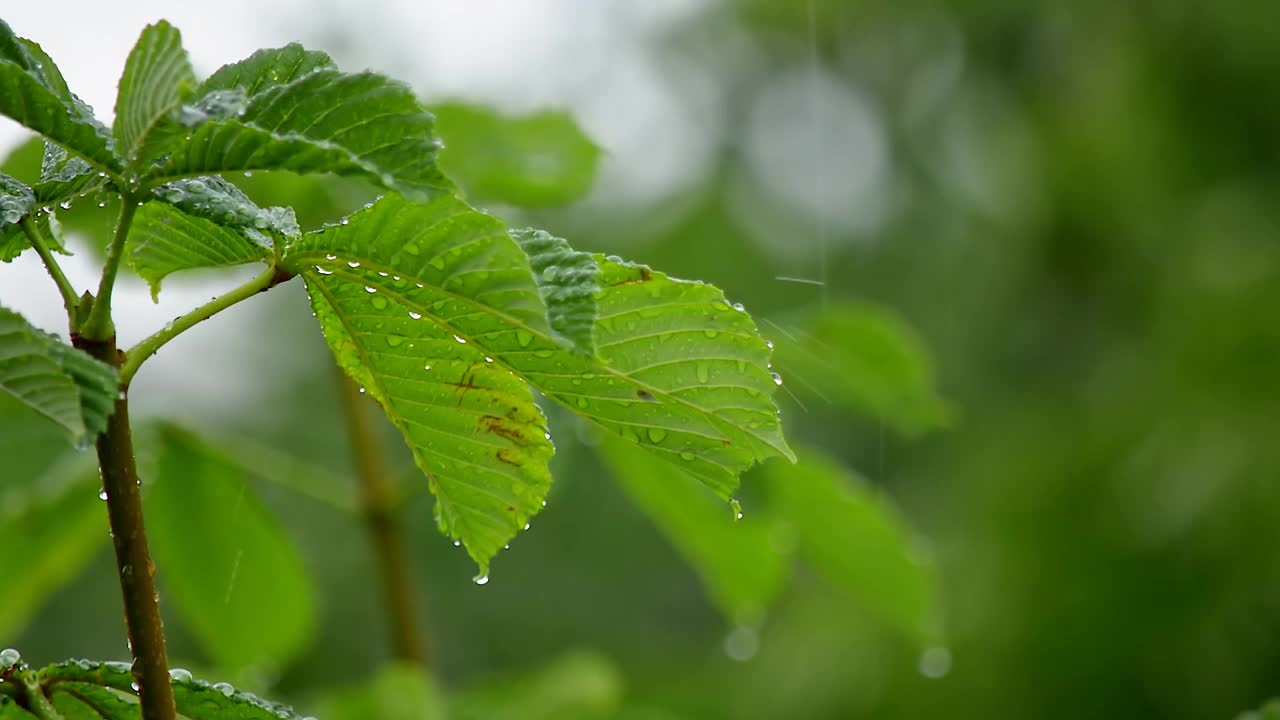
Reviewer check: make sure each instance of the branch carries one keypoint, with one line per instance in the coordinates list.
(133, 556)
(98, 326)
(69, 297)
(377, 507)
(139, 353)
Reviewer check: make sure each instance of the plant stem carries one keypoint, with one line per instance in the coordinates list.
(377, 507)
(69, 297)
(36, 702)
(98, 325)
(139, 353)
(133, 557)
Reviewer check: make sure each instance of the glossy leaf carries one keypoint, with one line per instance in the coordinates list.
(157, 75)
(566, 280)
(165, 240)
(324, 121)
(536, 160)
(230, 570)
(392, 309)
(734, 558)
(396, 692)
(679, 371)
(855, 539)
(27, 97)
(195, 699)
(866, 361)
(54, 527)
(65, 385)
(16, 202)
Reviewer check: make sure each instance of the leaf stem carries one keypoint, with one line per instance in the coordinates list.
(98, 325)
(139, 353)
(133, 556)
(68, 292)
(377, 507)
(34, 700)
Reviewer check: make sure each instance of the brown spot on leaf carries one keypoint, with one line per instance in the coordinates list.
(645, 395)
(502, 427)
(509, 457)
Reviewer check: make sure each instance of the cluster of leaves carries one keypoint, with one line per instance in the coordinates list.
(448, 319)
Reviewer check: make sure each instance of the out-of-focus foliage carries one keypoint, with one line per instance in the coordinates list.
(1073, 208)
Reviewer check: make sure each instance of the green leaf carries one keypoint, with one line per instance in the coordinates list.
(230, 570)
(865, 360)
(54, 528)
(195, 699)
(856, 540)
(266, 69)
(579, 685)
(157, 76)
(16, 201)
(361, 124)
(82, 701)
(679, 371)
(396, 692)
(734, 558)
(536, 160)
(392, 310)
(165, 240)
(63, 175)
(65, 385)
(216, 199)
(26, 96)
(567, 282)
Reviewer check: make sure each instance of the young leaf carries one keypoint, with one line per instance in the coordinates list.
(195, 699)
(567, 283)
(216, 199)
(157, 74)
(866, 361)
(537, 160)
(165, 240)
(54, 530)
(396, 692)
(855, 539)
(26, 96)
(361, 124)
(237, 580)
(16, 201)
(65, 385)
(734, 558)
(402, 310)
(266, 69)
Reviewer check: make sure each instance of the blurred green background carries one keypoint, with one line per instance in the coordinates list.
(1074, 205)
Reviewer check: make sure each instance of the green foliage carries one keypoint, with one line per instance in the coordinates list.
(1269, 711)
(867, 362)
(32, 93)
(567, 282)
(583, 686)
(536, 160)
(230, 570)
(157, 76)
(68, 387)
(396, 692)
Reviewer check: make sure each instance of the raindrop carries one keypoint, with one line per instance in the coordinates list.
(488, 359)
(135, 686)
(330, 257)
(65, 204)
(370, 289)
(738, 307)
(529, 525)
(179, 675)
(394, 340)
(742, 643)
(523, 338)
(362, 391)
(9, 657)
(353, 264)
(737, 509)
(323, 271)
(544, 503)
(686, 456)
(464, 342)
(777, 379)
(426, 367)
(224, 688)
(102, 494)
(415, 315)
(657, 435)
(248, 173)
(457, 543)
(345, 221)
(935, 662)
(102, 203)
(481, 579)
